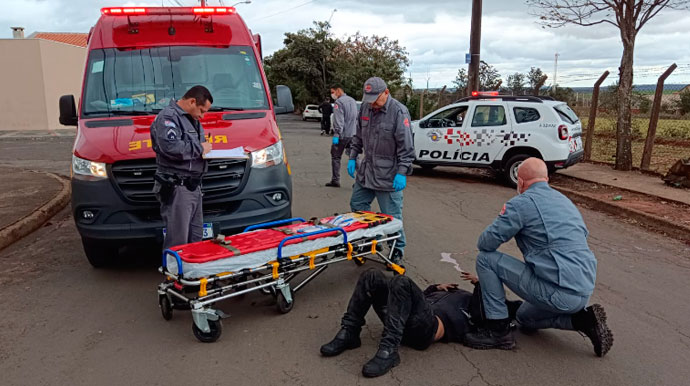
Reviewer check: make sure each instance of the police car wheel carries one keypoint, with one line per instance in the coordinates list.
(511, 167)
(427, 166)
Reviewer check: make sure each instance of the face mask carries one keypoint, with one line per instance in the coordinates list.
(333, 96)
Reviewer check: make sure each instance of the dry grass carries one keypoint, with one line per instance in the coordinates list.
(663, 156)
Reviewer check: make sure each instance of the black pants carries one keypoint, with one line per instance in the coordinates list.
(326, 124)
(399, 303)
(337, 151)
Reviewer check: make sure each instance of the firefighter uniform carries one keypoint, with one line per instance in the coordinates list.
(176, 138)
(557, 276)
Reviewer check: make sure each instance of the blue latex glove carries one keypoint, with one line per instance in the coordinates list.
(336, 140)
(351, 166)
(399, 182)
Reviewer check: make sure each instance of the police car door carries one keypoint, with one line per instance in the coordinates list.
(439, 138)
(489, 129)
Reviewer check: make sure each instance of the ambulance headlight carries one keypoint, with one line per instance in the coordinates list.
(269, 156)
(88, 168)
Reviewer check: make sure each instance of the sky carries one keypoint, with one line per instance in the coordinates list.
(435, 33)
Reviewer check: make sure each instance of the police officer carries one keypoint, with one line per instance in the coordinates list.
(557, 276)
(326, 110)
(383, 134)
(344, 127)
(178, 140)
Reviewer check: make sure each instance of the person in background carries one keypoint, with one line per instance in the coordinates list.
(326, 110)
(344, 127)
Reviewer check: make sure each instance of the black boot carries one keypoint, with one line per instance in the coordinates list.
(513, 306)
(345, 339)
(333, 184)
(384, 360)
(496, 334)
(592, 322)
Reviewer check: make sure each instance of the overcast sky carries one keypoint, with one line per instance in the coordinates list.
(434, 32)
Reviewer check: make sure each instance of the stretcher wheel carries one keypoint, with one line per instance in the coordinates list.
(166, 307)
(359, 261)
(283, 306)
(216, 327)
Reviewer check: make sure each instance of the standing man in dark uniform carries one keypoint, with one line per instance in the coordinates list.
(179, 142)
(326, 110)
(384, 136)
(344, 127)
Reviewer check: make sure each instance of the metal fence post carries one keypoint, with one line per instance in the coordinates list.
(593, 116)
(654, 119)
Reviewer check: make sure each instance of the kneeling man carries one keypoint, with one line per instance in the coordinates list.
(557, 276)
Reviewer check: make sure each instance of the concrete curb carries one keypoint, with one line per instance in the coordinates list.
(678, 231)
(38, 217)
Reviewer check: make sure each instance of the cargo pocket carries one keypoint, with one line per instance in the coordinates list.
(384, 170)
(565, 302)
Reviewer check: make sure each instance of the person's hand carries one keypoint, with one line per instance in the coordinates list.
(336, 140)
(446, 287)
(469, 277)
(351, 166)
(399, 182)
(206, 146)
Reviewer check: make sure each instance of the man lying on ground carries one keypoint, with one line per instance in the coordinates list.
(443, 312)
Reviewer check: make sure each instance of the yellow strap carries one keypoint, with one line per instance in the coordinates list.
(275, 265)
(373, 246)
(400, 270)
(202, 287)
(349, 251)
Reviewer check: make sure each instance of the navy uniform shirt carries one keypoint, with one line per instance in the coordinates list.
(176, 138)
(551, 234)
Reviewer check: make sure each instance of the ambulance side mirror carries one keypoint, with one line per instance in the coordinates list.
(68, 111)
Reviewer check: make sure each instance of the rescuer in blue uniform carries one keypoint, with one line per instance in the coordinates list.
(557, 276)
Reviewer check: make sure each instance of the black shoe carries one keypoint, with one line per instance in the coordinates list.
(333, 184)
(496, 335)
(345, 339)
(322, 132)
(592, 322)
(384, 360)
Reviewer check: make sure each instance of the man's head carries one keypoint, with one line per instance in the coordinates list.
(532, 170)
(196, 101)
(375, 92)
(336, 91)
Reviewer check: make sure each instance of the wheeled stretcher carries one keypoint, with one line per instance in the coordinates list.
(267, 257)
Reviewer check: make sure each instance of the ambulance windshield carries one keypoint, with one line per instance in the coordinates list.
(123, 82)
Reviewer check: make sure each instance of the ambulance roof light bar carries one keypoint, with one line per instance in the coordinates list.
(138, 11)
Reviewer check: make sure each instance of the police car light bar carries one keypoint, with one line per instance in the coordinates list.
(137, 11)
(484, 93)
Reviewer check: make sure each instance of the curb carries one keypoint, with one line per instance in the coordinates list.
(33, 221)
(678, 231)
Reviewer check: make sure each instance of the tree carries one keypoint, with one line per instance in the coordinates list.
(629, 16)
(489, 78)
(516, 83)
(536, 79)
(684, 101)
(564, 94)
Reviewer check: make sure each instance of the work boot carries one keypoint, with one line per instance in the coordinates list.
(333, 184)
(345, 339)
(496, 334)
(513, 306)
(384, 360)
(592, 322)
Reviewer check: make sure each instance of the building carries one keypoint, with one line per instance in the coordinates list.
(34, 73)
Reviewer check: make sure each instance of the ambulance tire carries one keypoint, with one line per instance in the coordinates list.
(216, 327)
(100, 254)
(510, 169)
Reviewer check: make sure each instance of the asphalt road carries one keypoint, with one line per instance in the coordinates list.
(65, 323)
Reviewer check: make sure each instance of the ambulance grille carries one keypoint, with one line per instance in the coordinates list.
(134, 179)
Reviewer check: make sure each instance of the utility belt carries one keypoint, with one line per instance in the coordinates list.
(169, 181)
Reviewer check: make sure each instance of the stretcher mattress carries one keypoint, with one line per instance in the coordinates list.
(255, 248)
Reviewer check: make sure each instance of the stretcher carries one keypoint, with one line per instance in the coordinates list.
(266, 258)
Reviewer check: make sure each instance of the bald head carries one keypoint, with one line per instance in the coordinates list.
(531, 170)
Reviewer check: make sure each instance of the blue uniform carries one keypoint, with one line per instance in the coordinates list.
(559, 270)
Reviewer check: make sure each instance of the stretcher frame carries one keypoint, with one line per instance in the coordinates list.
(273, 278)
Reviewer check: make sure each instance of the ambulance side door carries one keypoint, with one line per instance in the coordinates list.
(434, 139)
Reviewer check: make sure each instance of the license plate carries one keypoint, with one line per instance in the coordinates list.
(576, 144)
(208, 231)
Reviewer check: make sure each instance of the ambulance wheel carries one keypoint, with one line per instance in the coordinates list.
(283, 306)
(511, 167)
(216, 327)
(166, 307)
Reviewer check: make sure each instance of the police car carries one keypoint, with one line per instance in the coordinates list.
(499, 132)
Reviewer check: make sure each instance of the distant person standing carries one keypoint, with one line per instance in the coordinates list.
(344, 127)
(326, 110)
(178, 140)
(384, 137)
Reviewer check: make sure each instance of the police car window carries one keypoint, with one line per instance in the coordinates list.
(566, 113)
(144, 81)
(525, 114)
(452, 117)
(489, 116)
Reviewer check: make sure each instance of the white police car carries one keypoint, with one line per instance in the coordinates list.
(499, 132)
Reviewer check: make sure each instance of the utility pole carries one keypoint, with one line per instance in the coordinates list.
(475, 42)
(555, 72)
